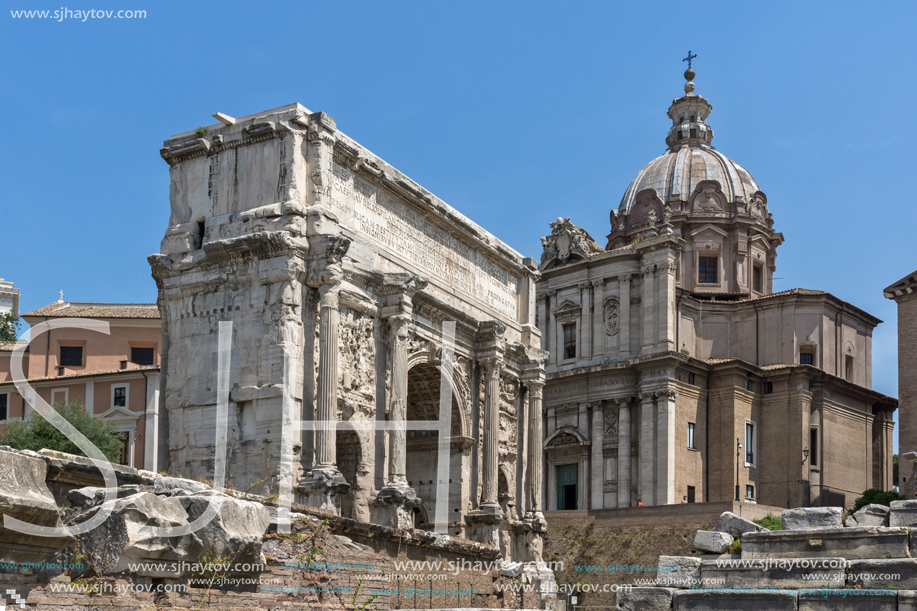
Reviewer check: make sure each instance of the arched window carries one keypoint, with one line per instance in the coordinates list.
(681, 120)
(692, 118)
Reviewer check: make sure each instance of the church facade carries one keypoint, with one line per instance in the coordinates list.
(360, 301)
(677, 374)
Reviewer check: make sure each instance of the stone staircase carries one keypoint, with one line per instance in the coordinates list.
(816, 563)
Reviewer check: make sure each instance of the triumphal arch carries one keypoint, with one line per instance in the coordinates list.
(350, 289)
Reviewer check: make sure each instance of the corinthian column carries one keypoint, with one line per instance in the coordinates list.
(623, 452)
(399, 406)
(492, 368)
(325, 481)
(598, 457)
(647, 448)
(534, 448)
(329, 318)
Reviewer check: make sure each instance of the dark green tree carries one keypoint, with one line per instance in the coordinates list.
(877, 497)
(9, 327)
(35, 433)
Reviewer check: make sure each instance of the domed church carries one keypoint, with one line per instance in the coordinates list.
(677, 374)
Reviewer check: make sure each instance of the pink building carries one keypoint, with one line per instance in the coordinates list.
(116, 376)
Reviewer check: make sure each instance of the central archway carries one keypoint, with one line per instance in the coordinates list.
(424, 382)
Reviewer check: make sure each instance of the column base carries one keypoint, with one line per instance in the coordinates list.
(484, 524)
(321, 486)
(394, 506)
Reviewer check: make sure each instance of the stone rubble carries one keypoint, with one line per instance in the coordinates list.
(806, 518)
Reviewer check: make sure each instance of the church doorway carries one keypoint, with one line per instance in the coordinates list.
(567, 486)
(422, 446)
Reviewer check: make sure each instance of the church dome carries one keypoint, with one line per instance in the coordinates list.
(690, 158)
(676, 174)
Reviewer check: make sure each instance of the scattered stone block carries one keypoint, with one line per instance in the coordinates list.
(678, 571)
(735, 525)
(692, 600)
(875, 574)
(712, 541)
(173, 484)
(808, 518)
(907, 600)
(25, 496)
(848, 600)
(903, 513)
(778, 573)
(857, 543)
(645, 599)
(870, 515)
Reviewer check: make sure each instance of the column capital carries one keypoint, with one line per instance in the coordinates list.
(492, 366)
(648, 269)
(584, 286)
(552, 293)
(646, 396)
(624, 277)
(400, 324)
(622, 401)
(535, 389)
(667, 393)
(598, 283)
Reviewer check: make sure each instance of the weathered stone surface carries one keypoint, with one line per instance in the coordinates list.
(903, 513)
(173, 484)
(25, 496)
(678, 571)
(775, 573)
(712, 541)
(121, 540)
(848, 600)
(870, 515)
(645, 599)
(858, 543)
(735, 525)
(512, 569)
(236, 531)
(807, 518)
(92, 494)
(232, 537)
(730, 601)
(876, 574)
(907, 600)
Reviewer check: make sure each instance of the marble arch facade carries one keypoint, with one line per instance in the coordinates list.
(339, 273)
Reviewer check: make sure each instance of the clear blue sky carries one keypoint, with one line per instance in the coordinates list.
(514, 113)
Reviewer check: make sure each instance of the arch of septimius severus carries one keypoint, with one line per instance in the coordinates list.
(339, 275)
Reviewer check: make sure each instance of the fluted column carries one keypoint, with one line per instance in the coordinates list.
(534, 457)
(598, 318)
(326, 412)
(665, 447)
(623, 452)
(398, 409)
(647, 448)
(585, 322)
(492, 368)
(598, 462)
(649, 307)
(624, 325)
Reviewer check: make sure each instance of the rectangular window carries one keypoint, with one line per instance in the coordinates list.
(4, 400)
(750, 492)
(757, 279)
(693, 133)
(692, 495)
(848, 368)
(691, 379)
(750, 443)
(706, 270)
(806, 358)
(570, 341)
(60, 396)
(691, 436)
(813, 447)
(750, 385)
(142, 356)
(768, 388)
(71, 356)
(119, 396)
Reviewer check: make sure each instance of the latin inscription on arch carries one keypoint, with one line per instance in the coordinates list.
(391, 223)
